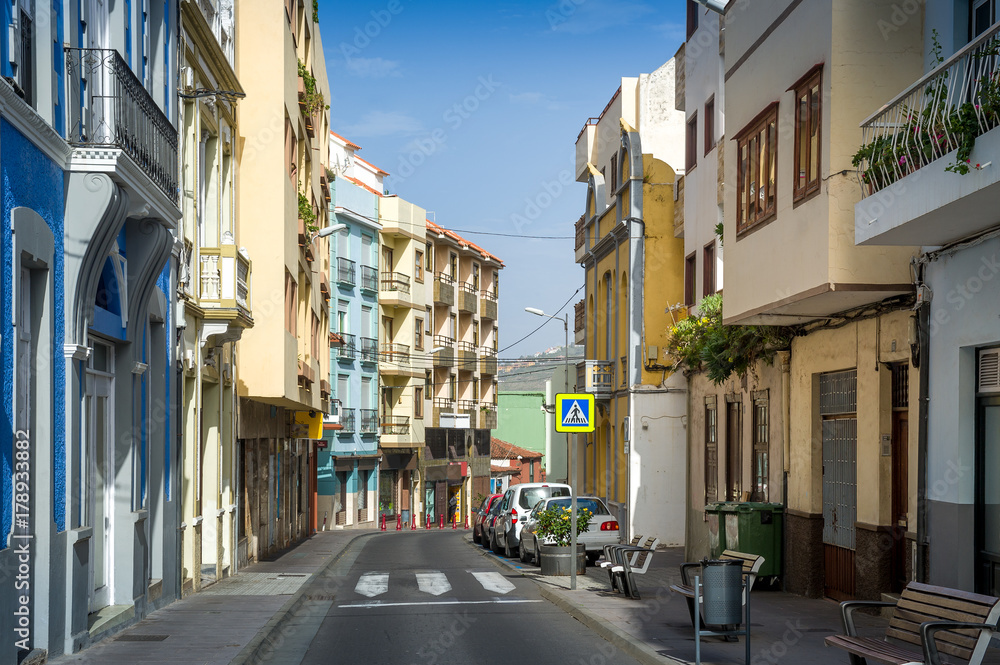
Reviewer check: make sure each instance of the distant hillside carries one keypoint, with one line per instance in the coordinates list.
(532, 371)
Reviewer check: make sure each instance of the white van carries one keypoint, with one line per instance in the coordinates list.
(517, 502)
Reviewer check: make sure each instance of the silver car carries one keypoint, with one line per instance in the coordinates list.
(603, 528)
(517, 502)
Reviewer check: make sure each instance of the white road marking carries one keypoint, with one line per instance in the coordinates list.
(495, 582)
(372, 584)
(434, 583)
(495, 601)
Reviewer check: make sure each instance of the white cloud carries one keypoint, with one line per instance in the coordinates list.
(373, 68)
(384, 123)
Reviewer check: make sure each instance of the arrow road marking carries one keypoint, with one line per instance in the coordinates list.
(372, 584)
(494, 582)
(434, 583)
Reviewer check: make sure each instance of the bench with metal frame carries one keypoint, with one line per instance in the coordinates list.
(629, 560)
(935, 619)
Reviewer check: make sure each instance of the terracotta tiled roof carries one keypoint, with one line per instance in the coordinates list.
(509, 470)
(503, 450)
(361, 184)
(355, 146)
(377, 169)
(431, 226)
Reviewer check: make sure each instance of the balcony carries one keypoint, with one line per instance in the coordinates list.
(470, 408)
(345, 272)
(487, 360)
(468, 357)
(369, 279)
(488, 305)
(394, 360)
(395, 425)
(369, 350)
(488, 415)
(911, 199)
(580, 325)
(324, 285)
(348, 350)
(324, 185)
(303, 234)
(441, 405)
(324, 389)
(596, 377)
(445, 357)
(348, 420)
(444, 289)
(396, 353)
(467, 300)
(224, 282)
(394, 289)
(110, 108)
(306, 374)
(369, 421)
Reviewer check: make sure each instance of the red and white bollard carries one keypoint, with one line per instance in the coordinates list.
(428, 526)
(466, 522)
(441, 522)
(383, 522)
(399, 522)
(454, 523)
(413, 523)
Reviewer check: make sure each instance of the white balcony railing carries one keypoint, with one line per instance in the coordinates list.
(942, 112)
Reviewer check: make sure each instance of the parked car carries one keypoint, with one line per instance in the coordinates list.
(517, 502)
(484, 508)
(489, 537)
(603, 528)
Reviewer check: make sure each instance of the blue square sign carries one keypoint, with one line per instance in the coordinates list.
(575, 412)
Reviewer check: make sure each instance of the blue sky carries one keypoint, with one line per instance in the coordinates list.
(474, 108)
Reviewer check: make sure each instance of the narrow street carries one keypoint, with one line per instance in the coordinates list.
(431, 598)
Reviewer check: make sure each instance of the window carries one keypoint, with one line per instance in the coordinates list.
(692, 18)
(454, 266)
(291, 150)
(807, 134)
(691, 143)
(710, 124)
(25, 68)
(452, 388)
(982, 17)
(418, 334)
(314, 336)
(711, 449)
(708, 270)
(429, 259)
(760, 445)
(757, 148)
(418, 266)
(475, 276)
(689, 277)
(291, 304)
(614, 173)
(418, 402)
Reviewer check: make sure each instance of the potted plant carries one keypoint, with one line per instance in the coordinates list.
(554, 551)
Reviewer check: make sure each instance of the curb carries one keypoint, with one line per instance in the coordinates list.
(265, 636)
(617, 637)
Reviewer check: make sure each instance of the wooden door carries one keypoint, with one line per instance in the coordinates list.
(734, 451)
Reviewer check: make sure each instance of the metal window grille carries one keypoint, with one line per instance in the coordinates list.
(711, 449)
(838, 393)
(761, 441)
(900, 386)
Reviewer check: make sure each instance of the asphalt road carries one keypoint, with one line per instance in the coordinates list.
(429, 598)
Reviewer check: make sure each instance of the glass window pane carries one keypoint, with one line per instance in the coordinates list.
(991, 489)
(803, 139)
(772, 156)
(814, 135)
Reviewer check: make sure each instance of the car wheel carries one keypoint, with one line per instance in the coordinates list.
(493, 543)
(536, 557)
(475, 536)
(506, 547)
(522, 554)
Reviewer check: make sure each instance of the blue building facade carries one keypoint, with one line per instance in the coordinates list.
(347, 468)
(88, 172)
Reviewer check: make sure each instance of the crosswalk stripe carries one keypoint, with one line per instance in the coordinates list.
(372, 584)
(494, 582)
(492, 601)
(434, 583)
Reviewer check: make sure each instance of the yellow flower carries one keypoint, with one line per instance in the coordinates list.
(566, 517)
(704, 319)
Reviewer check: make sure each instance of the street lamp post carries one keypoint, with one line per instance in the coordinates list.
(571, 450)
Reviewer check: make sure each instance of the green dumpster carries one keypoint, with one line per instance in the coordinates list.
(716, 528)
(755, 528)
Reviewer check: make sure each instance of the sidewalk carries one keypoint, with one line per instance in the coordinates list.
(222, 623)
(657, 628)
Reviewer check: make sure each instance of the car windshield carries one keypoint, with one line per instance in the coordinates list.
(595, 506)
(530, 496)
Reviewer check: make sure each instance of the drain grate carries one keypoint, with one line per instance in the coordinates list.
(280, 575)
(137, 637)
(319, 598)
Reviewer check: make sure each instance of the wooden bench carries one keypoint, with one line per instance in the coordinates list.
(629, 560)
(751, 564)
(935, 619)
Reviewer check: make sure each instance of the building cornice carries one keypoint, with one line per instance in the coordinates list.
(34, 127)
(211, 52)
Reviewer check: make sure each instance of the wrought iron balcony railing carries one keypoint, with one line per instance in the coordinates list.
(369, 279)
(345, 271)
(395, 424)
(369, 350)
(109, 107)
(396, 281)
(369, 421)
(949, 105)
(348, 350)
(348, 419)
(395, 353)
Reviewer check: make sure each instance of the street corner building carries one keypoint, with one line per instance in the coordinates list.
(88, 460)
(629, 157)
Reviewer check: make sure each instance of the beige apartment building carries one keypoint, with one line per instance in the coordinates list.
(462, 334)
(284, 360)
(799, 80)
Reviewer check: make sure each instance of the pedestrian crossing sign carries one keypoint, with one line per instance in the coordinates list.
(574, 412)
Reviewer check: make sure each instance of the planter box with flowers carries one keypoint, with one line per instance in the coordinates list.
(555, 552)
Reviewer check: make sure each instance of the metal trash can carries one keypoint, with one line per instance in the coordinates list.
(722, 581)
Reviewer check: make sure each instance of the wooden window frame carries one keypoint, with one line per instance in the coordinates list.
(291, 151)
(291, 304)
(766, 123)
(418, 402)
(690, 278)
(711, 445)
(418, 334)
(691, 143)
(761, 445)
(418, 266)
(692, 18)
(708, 270)
(813, 79)
(709, 125)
